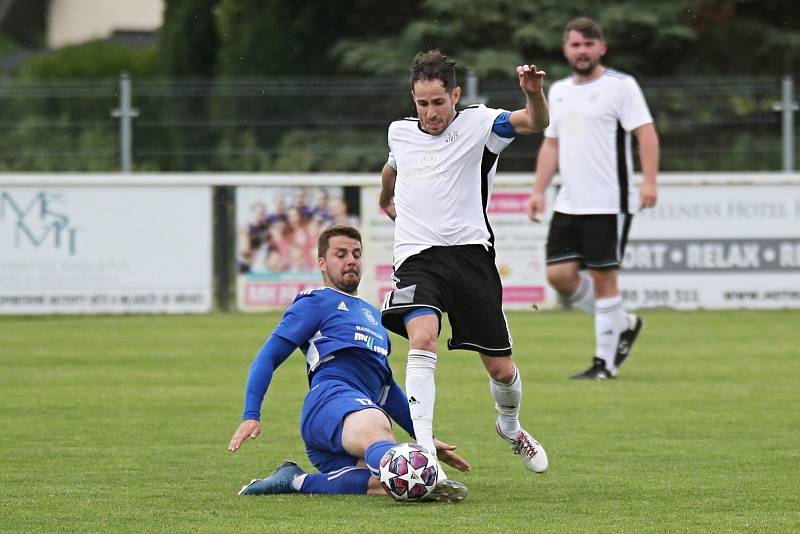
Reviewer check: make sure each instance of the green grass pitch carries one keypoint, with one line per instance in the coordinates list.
(121, 424)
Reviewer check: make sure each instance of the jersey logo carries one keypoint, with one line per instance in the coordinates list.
(451, 136)
(342, 307)
(369, 316)
(429, 159)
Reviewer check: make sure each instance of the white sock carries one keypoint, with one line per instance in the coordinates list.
(507, 399)
(421, 392)
(631, 321)
(297, 482)
(583, 298)
(609, 322)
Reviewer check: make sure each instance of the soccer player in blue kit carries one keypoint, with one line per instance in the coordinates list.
(345, 421)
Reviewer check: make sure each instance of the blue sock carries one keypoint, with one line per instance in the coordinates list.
(346, 481)
(374, 454)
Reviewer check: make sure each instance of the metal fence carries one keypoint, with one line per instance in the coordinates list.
(339, 124)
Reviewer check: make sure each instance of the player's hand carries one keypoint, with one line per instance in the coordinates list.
(530, 79)
(647, 195)
(535, 206)
(447, 454)
(250, 428)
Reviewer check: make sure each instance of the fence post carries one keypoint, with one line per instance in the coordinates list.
(471, 95)
(788, 107)
(224, 244)
(125, 113)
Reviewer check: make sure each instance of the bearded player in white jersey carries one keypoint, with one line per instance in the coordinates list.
(436, 187)
(593, 114)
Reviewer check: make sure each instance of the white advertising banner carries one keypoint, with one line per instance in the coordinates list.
(519, 244)
(716, 246)
(520, 247)
(105, 249)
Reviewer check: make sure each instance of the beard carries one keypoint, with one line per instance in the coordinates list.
(591, 65)
(349, 282)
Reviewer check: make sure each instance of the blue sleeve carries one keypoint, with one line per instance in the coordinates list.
(396, 406)
(301, 320)
(272, 354)
(502, 126)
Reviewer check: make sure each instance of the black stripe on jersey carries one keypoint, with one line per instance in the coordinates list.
(487, 162)
(623, 240)
(622, 169)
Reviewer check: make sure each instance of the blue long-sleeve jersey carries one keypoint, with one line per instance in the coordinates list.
(341, 337)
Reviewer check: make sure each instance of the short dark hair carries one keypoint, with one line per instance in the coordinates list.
(433, 65)
(340, 229)
(586, 27)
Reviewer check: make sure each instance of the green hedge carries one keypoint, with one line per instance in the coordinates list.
(96, 59)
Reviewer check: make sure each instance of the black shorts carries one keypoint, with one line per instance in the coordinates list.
(594, 241)
(461, 281)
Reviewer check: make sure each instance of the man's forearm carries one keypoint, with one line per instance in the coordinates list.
(538, 111)
(649, 153)
(546, 165)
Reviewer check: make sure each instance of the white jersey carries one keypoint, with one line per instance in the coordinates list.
(444, 181)
(592, 122)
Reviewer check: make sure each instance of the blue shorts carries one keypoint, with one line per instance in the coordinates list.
(322, 419)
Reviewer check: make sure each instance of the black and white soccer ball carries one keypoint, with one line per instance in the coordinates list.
(408, 472)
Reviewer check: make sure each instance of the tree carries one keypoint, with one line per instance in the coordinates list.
(189, 39)
(754, 37)
(276, 37)
(271, 39)
(650, 38)
(189, 45)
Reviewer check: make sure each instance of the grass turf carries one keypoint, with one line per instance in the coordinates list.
(121, 423)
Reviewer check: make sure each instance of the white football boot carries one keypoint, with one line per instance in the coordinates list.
(531, 451)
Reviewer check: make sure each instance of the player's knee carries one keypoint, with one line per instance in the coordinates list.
(381, 431)
(504, 376)
(501, 369)
(562, 280)
(605, 282)
(363, 427)
(423, 340)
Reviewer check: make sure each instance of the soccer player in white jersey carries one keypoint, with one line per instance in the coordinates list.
(593, 113)
(436, 186)
(345, 421)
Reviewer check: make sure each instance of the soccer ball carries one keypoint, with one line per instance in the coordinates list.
(408, 472)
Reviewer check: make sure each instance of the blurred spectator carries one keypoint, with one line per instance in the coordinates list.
(252, 235)
(278, 211)
(281, 239)
(301, 243)
(338, 212)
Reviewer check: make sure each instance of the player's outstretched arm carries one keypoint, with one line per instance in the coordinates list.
(536, 116)
(447, 454)
(272, 354)
(250, 428)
